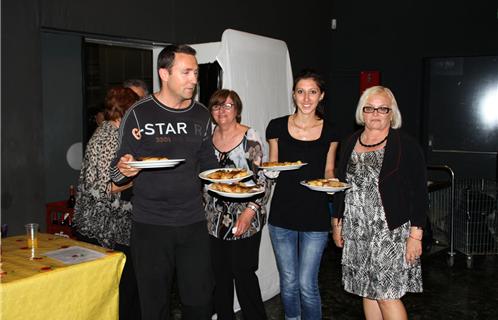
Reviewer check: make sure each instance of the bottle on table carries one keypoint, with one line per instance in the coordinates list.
(72, 197)
(66, 219)
(55, 219)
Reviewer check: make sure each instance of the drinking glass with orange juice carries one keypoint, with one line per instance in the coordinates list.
(32, 235)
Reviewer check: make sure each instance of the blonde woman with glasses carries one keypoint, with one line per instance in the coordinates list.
(379, 221)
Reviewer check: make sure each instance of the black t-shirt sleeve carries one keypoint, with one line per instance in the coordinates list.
(274, 128)
(128, 144)
(207, 155)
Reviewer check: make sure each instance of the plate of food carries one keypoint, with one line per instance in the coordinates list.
(236, 190)
(225, 175)
(325, 185)
(282, 166)
(154, 162)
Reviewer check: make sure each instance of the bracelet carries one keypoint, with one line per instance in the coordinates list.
(253, 207)
(415, 238)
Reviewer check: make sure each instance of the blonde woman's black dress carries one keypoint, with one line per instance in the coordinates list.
(373, 260)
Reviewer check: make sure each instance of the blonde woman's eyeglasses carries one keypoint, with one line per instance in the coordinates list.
(381, 109)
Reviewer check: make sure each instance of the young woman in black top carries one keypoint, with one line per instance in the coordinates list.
(299, 220)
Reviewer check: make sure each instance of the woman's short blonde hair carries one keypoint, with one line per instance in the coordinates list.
(396, 118)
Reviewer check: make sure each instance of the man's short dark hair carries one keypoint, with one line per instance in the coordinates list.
(136, 83)
(167, 55)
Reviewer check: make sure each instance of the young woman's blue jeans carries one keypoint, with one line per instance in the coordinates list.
(298, 256)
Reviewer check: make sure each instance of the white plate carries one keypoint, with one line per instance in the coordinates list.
(325, 189)
(155, 164)
(284, 168)
(204, 175)
(238, 195)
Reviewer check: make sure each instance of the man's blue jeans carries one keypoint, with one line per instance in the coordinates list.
(298, 256)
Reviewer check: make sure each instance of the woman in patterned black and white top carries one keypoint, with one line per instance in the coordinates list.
(379, 220)
(235, 226)
(101, 216)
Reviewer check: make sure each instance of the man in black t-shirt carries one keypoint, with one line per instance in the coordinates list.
(169, 231)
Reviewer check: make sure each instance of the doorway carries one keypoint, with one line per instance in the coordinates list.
(106, 66)
(76, 73)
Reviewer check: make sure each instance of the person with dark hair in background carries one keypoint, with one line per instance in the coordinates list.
(96, 116)
(235, 225)
(138, 86)
(299, 221)
(99, 117)
(101, 215)
(169, 233)
(379, 221)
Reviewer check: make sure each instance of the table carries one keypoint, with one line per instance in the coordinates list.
(48, 289)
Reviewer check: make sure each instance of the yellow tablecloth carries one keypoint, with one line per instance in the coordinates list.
(48, 289)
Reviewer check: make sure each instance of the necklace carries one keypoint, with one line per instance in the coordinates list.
(371, 145)
(302, 127)
(303, 131)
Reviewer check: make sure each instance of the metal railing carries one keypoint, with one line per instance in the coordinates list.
(443, 206)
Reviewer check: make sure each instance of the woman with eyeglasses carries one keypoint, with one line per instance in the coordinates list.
(379, 221)
(235, 226)
(299, 222)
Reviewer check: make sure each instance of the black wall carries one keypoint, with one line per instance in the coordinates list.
(394, 37)
(305, 28)
(390, 36)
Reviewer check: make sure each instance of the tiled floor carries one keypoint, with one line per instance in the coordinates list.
(449, 292)
(455, 292)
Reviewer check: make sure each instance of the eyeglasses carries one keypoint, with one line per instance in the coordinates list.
(226, 106)
(381, 109)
